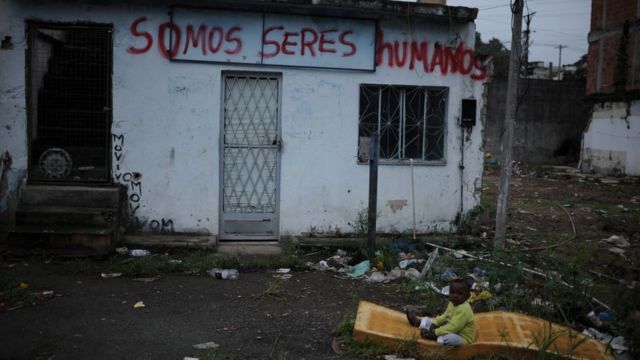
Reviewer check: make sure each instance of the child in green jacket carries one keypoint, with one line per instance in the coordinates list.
(456, 327)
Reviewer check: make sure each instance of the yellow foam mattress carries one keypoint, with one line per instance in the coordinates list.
(498, 332)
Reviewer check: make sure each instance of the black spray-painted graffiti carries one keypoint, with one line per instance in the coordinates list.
(133, 181)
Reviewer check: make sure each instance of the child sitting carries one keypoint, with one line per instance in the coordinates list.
(456, 327)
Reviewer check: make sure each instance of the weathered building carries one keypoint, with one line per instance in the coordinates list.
(245, 120)
(611, 142)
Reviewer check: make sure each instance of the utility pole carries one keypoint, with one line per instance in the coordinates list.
(560, 47)
(527, 43)
(509, 120)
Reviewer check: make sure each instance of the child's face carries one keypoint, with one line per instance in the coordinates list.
(458, 293)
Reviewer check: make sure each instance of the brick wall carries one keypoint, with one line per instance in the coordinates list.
(603, 70)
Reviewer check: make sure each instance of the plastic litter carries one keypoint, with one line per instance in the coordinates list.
(139, 304)
(207, 345)
(480, 272)
(483, 295)
(139, 252)
(283, 271)
(430, 261)
(377, 276)
(359, 269)
(618, 343)
(322, 265)
(619, 241)
(412, 273)
(110, 275)
(224, 274)
(122, 250)
(405, 263)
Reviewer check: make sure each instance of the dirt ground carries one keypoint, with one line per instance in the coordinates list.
(256, 317)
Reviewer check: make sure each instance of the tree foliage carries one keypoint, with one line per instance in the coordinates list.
(498, 52)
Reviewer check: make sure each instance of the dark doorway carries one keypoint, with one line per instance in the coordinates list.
(69, 99)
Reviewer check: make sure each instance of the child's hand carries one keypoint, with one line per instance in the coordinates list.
(428, 334)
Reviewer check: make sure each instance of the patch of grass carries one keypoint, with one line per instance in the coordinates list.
(273, 288)
(14, 293)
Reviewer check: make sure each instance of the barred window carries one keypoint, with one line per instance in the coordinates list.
(409, 122)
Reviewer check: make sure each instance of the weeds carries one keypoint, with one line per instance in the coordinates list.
(273, 289)
(15, 294)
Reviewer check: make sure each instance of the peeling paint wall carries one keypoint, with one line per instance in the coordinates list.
(611, 143)
(166, 129)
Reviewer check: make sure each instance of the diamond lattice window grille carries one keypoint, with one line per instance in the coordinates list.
(250, 144)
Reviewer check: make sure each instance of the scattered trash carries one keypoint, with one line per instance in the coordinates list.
(448, 275)
(147, 279)
(283, 276)
(322, 264)
(617, 251)
(359, 269)
(341, 252)
(110, 275)
(139, 252)
(283, 271)
(175, 261)
(635, 199)
(618, 343)
(207, 345)
(618, 241)
(540, 302)
(479, 272)
(412, 273)
(224, 274)
(429, 263)
(405, 263)
(377, 276)
(139, 304)
(445, 291)
(478, 296)
(459, 254)
(122, 250)
(394, 357)
(45, 294)
(190, 358)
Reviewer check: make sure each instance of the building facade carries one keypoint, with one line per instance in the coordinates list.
(246, 120)
(611, 142)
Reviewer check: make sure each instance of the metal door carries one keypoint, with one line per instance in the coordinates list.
(250, 139)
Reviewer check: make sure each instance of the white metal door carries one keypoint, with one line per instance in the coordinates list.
(250, 157)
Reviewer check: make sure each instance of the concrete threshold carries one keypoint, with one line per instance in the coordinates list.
(173, 240)
(249, 248)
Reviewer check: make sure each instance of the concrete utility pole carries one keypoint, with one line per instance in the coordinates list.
(560, 47)
(509, 120)
(527, 43)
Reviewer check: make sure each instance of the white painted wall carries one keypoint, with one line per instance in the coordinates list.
(168, 116)
(611, 143)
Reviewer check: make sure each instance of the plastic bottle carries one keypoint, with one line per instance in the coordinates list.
(224, 274)
(140, 252)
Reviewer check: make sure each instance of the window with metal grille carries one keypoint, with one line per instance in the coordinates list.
(69, 72)
(408, 120)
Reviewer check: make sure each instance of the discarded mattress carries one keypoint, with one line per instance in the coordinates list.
(498, 333)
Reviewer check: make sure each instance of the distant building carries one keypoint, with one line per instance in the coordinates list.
(611, 142)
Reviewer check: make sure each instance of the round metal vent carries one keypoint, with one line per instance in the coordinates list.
(55, 163)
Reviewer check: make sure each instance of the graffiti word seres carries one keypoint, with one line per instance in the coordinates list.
(308, 42)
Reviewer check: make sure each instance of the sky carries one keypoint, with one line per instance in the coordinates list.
(555, 22)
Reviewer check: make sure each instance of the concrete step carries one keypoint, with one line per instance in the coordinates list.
(60, 241)
(249, 248)
(71, 196)
(173, 240)
(66, 216)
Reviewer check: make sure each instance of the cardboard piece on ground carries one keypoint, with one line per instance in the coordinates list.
(499, 332)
